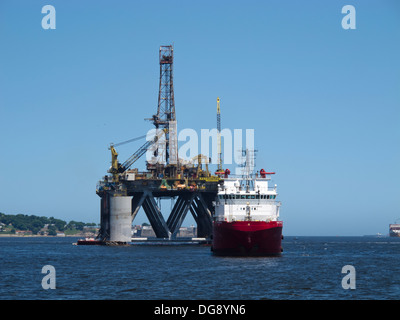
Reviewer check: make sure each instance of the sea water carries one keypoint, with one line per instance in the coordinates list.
(310, 268)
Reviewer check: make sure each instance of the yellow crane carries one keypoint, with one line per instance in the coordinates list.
(115, 165)
(199, 158)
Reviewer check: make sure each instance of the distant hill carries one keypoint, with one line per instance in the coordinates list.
(35, 225)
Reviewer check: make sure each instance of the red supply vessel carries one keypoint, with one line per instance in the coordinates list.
(246, 220)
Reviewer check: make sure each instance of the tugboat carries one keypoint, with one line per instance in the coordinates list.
(246, 221)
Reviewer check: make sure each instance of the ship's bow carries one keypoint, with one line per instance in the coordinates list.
(247, 238)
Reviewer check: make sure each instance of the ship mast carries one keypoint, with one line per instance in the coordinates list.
(248, 167)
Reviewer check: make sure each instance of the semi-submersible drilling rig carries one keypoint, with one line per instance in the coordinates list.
(126, 190)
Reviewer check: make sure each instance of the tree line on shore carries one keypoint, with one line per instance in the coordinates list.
(35, 224)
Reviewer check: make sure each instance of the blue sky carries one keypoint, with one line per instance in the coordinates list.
(324, 102)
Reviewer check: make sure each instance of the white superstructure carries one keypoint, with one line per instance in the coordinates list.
(394, 230)
(247, 199)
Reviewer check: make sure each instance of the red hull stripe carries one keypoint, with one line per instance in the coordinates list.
(247, 238)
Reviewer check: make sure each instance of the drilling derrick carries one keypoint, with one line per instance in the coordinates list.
(165, 117)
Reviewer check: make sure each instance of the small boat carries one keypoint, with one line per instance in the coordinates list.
(89, 242)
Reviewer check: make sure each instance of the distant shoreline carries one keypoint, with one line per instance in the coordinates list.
(39, 236)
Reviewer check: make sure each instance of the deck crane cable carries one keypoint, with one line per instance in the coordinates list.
(128, 141)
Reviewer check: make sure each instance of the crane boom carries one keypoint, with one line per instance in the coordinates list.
(141, 151)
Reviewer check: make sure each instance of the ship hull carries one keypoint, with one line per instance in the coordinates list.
(247, 238)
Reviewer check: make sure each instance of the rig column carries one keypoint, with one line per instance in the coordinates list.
(120, 218)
